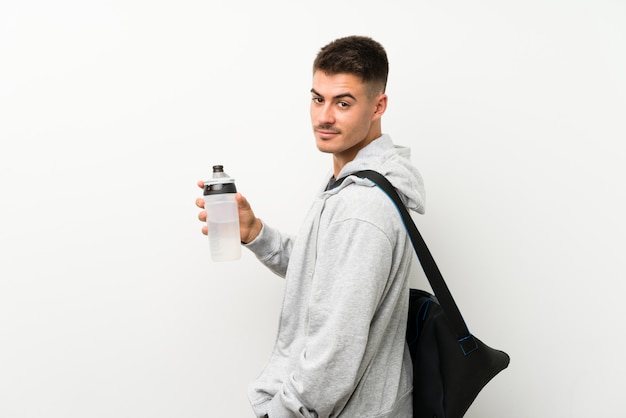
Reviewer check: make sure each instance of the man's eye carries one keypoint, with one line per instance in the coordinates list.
(343, 105)
(318, 100)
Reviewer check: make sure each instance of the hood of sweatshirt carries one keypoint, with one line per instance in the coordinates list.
(394, 162)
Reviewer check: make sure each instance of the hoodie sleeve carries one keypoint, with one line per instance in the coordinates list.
(273, 249)
(353, 265)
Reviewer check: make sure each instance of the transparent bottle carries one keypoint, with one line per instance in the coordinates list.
(222, 216)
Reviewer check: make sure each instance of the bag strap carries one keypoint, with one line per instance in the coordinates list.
(444, 297)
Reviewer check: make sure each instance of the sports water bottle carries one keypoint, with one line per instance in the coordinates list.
(222, 216)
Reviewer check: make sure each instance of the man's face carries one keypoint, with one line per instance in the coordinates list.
(344, 118)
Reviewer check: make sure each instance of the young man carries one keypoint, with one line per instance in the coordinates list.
(341, 349)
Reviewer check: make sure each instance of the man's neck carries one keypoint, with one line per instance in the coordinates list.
(343, 158)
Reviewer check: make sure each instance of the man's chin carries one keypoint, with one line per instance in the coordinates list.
(324, 145)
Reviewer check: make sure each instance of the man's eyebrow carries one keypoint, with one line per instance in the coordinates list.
(339, 96)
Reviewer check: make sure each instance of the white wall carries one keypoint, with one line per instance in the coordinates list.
(110, 111)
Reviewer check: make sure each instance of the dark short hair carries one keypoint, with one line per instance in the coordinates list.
(358, 55)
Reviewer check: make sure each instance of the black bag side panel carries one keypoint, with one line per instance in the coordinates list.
(445, 379)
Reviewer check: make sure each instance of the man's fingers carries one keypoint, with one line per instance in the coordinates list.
(242, 202)
(202, 214)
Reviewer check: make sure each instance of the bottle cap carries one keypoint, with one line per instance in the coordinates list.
(220, 182)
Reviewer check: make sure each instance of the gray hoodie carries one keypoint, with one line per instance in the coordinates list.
(340, 349)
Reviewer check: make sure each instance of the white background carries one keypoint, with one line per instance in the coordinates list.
(110, 111)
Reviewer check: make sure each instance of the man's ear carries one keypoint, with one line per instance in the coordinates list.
(381, 105)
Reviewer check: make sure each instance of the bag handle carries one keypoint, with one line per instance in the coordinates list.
(444, 297)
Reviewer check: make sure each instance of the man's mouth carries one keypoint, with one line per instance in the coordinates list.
(325, 133)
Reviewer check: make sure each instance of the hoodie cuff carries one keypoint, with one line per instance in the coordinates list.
(265, 244)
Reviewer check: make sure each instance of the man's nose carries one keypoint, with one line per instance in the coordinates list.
(326, 115)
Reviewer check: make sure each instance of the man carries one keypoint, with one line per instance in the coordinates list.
(341, 349)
